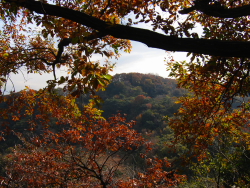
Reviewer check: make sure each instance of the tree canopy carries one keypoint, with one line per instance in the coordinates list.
(40, 36)
(227, 13)
(104, 27)
(84, 28)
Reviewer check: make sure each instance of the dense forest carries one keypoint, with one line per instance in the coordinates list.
(150, 101)
(146, 99)
(146, 132)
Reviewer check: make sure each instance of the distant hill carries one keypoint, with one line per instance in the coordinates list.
(145, 98)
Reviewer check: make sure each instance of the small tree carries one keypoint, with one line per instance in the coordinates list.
(216, 134)
(86, 151)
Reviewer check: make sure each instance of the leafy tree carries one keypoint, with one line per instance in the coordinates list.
(216, 134)
(87, 151)
(101, 27)
(104, 17)
(218, 72)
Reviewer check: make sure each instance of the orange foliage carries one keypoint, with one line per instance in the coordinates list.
(82, 149)
(69, 33)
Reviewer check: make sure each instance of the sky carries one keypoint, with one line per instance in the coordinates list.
(141, 59)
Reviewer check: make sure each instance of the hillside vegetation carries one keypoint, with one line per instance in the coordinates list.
(146, 98)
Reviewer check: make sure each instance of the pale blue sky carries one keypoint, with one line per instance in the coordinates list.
(142, 60)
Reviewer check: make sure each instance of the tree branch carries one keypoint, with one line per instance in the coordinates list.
(217, 10)
(150, 38)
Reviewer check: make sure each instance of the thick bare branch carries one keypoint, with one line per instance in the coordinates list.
(150, 38)
(217, 10)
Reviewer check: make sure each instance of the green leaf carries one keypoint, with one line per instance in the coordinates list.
(107, 77)
(101, 82)
(5, 55)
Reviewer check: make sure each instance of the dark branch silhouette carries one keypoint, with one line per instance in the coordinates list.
(150, 38)
(217, 10)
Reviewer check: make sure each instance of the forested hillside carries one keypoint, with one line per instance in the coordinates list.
(150, 101)
(63, 145)
(146, 98)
